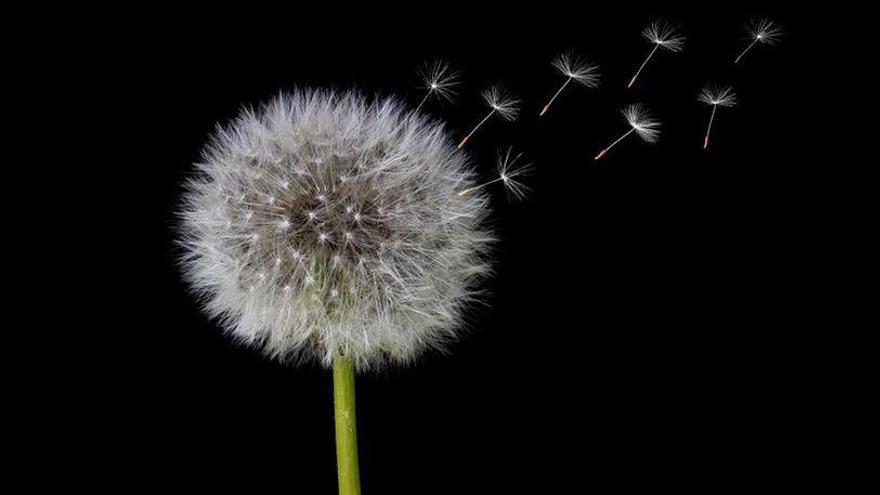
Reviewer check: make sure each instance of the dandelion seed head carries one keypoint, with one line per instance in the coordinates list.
(640, 119)
(377, 267)
(718, 96)
(502, 102)
(577, 69)
(764, 31)
(665, 35)
(439, 79)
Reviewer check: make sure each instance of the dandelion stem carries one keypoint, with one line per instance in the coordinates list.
(746, 50)
(602, 153)
(633, 80)
(424, 100)
(547, 106)
(465, 140)
(709, 129)
(346, 427)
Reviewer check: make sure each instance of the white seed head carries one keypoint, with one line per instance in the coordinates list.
(665, 35)
(377, 267)
(718, 96)
(764, 31)
(439, 79)
(640, 119)
(511, 170)
(578, 69)
(502, 102)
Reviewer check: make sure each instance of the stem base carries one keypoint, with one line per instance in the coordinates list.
(346, 427)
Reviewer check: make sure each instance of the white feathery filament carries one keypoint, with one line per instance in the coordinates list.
(500, 102)
(640, 122)
(663, 35)
(574, 69)
(438, 79)
(716, 97)
(509, 168)
(760, 31)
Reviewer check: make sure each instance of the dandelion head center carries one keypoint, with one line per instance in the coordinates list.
(313, 215)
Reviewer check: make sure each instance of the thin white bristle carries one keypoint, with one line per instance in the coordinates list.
(438, 78)
(638, 117)
(502, 102)
(665, 35)
(764, 31)
(718, 96)
(760, 31)
(577, 69)
(510, 167)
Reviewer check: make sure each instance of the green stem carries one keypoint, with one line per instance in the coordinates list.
(346, 427)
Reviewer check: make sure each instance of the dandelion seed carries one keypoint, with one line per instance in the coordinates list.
(761, 31)
(575, 69)
(717, 97)
(500, 102)
(509, 169)
(438, 79)
(663, 35)
(641, 123)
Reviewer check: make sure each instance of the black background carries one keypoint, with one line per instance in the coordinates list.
(633, 334)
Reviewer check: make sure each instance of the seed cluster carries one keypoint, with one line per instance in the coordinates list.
(324, 224)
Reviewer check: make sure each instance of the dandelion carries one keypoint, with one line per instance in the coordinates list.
(326, 228)
(509, 169)
(663, 35)
(761, 31)
(500, 102)
(574, 69)
(641, 123)
(717, 97)
(439, 80)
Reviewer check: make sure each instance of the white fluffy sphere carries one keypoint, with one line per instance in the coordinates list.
(325, 225)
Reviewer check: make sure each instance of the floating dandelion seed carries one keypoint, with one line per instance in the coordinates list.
(761, 31)
(641, 122)
(717, 97)
(663, 35)
(438, 79)
(500, 102)
(574, 69)
(509, 168)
